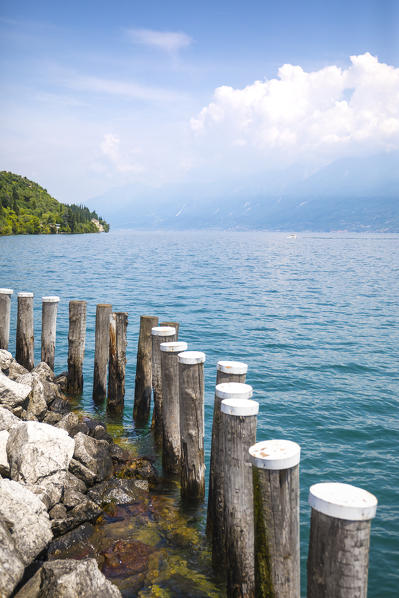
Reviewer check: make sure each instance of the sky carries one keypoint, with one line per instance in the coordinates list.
(100, 95)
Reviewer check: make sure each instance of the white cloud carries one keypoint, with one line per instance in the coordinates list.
(110, 147)
(168, 41)
(321, 115)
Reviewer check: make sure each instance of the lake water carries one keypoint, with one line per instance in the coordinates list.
(315, 318)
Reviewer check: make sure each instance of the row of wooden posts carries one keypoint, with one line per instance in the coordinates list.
(253, 502)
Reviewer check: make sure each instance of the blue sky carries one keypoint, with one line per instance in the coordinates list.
(98, 95)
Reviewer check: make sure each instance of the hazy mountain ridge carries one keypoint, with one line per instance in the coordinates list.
(357, 194)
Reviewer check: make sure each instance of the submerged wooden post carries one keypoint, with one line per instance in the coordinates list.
(117, 361)
(239, 433)
(160, 334)
(174, 325)
(143, 383)
(49, 327)
(191, 400)
(5, 310)
(171, 452)
(339, 540)
(76, 346)
(101, 354)
(227, 371)
(275, 469)
(24, 353)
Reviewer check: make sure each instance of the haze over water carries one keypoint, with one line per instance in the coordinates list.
(315, 318)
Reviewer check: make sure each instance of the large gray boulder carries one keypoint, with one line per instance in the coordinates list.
(8, 420)
(26, 518)
(6, 359)
(13, 394)
(94, 455)
(11, 565)
(39, 456)
(4, 465)
(68, 578)
(9, 365)
(37, 406)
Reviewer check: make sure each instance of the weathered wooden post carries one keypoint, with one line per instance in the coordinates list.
(160, 334)
(191, 400)
(227, 371)
(339, 540)
(117, 361)
(143, 383)
(171, 452)
(174, 325)
(275, 469)
(49, 327)
(101, 354)
(24, 353)
(5, 310)
(238, 426)
(76, 346)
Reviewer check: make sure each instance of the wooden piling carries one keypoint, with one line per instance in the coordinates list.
(227, 371)
(117, 361)
(5, 310)
(76, 346)
(171, 451)
(275, 469)
(49, 327)
(101, 354)
(24, 353)
(191, 400)
(339, 540)
(238, 424)
(160, 334)
(174, 325)
(143, 383)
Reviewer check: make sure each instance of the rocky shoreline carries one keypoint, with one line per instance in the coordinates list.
(58, 471)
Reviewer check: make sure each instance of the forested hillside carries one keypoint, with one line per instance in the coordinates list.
(27, 208)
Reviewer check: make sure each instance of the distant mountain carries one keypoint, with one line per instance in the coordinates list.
(27, 208)
(357, 194)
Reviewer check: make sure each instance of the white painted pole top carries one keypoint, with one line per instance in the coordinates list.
(50, 299)
(191, 357)
(275, 454)
(239, 407)
(232, 367)
(6, 291)
(343, 501)
(233, 390)
(25, 294)
(173, 347)
(163, 331)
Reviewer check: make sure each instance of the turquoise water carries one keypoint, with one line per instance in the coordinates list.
(315, 318)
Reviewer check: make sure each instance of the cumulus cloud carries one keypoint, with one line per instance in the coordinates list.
(168, 41)
(328, 113)
(110, 147)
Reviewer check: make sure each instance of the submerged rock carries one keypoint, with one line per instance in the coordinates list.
(126, 558)
(39, 456)
(122, 492)
(69, 579)
(26, 518)
(139, 468)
